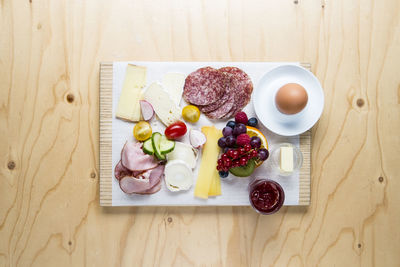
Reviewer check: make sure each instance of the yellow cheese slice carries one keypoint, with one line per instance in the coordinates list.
(163, 105)
(215, 189)
(128, 106)
(173, 83)
(208, 163)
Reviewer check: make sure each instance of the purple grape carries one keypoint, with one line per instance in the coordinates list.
(240, 128)
(230, 141)
(222, 142)
(255, 142)
(227, 131)
(263, 154)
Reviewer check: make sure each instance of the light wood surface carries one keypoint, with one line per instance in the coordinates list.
(49, 131)
(105, 158)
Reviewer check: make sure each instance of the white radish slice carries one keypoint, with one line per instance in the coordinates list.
(184, 152)
(197, 138)
(147, 110)
(178, 175)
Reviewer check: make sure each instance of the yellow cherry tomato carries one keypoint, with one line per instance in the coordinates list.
(191, 113)
(142, 131)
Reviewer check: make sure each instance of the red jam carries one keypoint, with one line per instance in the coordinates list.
(266, 196)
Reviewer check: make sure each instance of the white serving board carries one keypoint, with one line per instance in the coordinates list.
(234, 190)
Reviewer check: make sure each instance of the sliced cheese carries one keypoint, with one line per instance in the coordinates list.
(208, 165)
(173, 84)
(286, 159)
(215, 189)
(163, 105)
(128, 105)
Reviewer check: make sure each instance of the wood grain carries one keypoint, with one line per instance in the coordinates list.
(105, 122)
(49, 131)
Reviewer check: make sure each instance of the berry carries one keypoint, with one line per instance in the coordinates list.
(241, 117)
(219, 162)
(235, 154)
(224, 157)
(247, 147)
(223, 174)
(230, 152)
(227, 162)
(242, 140)
(252, 122)
(227, 131)
(254, 153)
(230, 141)
(231, 124)
(243, 161)
(241, 151)
(236, 163)
(263, 154)
(240, 128)
(255, 142)
(222, 142)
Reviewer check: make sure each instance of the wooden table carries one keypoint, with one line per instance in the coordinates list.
(49, 131)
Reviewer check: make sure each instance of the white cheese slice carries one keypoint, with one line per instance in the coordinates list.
(178, 175)
(286, 159)
(173, 83)
(128, 105)
(163, 105)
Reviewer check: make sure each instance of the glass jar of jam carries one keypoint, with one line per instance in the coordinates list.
(266, 196)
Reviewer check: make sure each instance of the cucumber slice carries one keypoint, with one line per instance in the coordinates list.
(166, 145)
(155, 140)
(148, 147)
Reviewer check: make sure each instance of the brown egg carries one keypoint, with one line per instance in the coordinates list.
(291, 98)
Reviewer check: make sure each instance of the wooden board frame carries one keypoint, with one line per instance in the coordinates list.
(106, 87)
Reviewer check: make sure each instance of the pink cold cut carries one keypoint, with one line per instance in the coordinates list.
(145, 183)
(133, 158)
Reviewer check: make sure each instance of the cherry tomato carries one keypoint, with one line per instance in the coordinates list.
(175, 130)
(142, 131)
(191, 113)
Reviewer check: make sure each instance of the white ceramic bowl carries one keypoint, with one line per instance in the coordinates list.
(271, 117)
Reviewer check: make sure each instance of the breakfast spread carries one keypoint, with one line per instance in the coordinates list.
(266, 196)
(175, 145)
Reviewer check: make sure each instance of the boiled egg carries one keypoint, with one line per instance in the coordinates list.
(291, 98)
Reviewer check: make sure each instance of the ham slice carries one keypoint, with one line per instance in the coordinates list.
(133, 158)
(147, 182)
(120, 171)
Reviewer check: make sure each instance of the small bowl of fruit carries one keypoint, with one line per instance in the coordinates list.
(244, 147)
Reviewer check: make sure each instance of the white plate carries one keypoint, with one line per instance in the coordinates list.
(264, 100)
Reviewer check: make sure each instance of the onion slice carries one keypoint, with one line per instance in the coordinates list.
(184, 152)
(178, 175)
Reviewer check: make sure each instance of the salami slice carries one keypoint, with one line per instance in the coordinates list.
(216, 104)
(221, 101)
(204, 86)
(222, 110)
(242, 87)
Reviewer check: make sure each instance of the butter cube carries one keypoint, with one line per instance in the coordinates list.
(286, 159)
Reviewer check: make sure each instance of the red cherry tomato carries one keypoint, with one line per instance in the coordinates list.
(175, 130)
